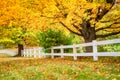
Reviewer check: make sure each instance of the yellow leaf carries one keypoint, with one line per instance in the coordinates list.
(114, 79)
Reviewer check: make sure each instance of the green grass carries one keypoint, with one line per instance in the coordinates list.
(61, 69)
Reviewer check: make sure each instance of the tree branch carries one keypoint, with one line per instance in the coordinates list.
(76, 27)
(110, 34)
(103, 28)
(77, 15)
(107, 26)
(70, 29)
(110, 20)
(101, 13)
(47, 17)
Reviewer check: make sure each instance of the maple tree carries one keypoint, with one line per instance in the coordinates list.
(90, 19)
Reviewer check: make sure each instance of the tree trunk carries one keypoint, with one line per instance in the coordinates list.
(88, 34)
(88, 48)
(20, 48)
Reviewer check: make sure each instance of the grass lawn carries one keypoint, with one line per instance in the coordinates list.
(60, 69)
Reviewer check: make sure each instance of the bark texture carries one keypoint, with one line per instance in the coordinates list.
(20, 48)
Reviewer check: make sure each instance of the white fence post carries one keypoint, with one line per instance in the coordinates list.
(95, 57)
(39, 52)
(74, 52)
(34, 52)
(27, 52)
(62, 51)
(30, 52)
(24, 52)
(52, 52)
(44, 50)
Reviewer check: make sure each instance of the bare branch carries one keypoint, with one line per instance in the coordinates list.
(103, 28)
(106, 35)
(70, 29)
(107, 27)
(75, 26)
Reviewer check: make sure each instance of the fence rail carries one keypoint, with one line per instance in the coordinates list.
(95, 54)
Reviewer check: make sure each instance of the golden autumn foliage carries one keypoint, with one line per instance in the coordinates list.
(17, 20)
(86, 18)
(76, 14)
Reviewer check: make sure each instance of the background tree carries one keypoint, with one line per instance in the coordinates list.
(18, 21)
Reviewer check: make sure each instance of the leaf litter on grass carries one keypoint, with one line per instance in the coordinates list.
(58, 69)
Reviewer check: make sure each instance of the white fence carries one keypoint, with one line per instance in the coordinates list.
(74, 54)
(33, 52)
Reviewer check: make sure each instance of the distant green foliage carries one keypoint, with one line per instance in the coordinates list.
(109, 48)
(75, 38)
(51, 37)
